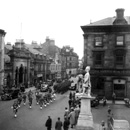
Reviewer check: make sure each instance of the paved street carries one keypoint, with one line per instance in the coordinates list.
(34, 119)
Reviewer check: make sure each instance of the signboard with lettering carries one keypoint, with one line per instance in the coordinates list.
(111, 72)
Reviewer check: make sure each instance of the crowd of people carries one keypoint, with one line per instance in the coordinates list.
(71, 115)
(41, 99)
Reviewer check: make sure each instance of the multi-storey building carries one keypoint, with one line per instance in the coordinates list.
(69, 60)
(2, 35)
(26, 65)
(107, 51)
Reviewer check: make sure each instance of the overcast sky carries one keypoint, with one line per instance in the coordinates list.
(58, 19)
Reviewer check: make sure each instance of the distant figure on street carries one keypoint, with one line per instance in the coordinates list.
(70, 103)
(58, 125)
(113, 97)
(72, 118)
(103, 125)
(66, 123)
(66, 112)
(70, 95)
(109, 118)
(48, 123)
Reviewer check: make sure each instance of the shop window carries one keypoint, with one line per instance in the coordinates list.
(98, 42)
(120, 41)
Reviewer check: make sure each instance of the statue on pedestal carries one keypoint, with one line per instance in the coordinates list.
(87, 82)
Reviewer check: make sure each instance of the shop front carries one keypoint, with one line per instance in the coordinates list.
(119, 87)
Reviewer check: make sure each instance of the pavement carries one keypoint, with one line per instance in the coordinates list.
(119, 102)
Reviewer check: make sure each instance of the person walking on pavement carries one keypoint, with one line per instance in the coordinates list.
(70, 95)
(58, 125)
(72, 117)
(66, 112)
(66, 123)
(77, 111)
(113, 97)
(109, 118)
(70, 103)
(48, 123)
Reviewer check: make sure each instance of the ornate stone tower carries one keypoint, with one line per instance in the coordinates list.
(2, 34)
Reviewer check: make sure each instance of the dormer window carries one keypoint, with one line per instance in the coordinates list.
(120, 41)
(98, 41)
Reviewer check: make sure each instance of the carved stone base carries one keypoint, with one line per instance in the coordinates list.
(85, 120)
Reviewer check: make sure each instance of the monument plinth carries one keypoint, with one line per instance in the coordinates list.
(85, 120)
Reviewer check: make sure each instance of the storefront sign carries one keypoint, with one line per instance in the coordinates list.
(110, 72)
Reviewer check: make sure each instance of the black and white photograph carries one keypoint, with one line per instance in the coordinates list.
(65, 65)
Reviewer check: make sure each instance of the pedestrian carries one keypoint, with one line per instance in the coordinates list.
(113, 97)
(66, 112)
(77, 111)
(72, 117)
(66, 123)
(70, 103)
(58, 125)
(109, 119)
(103, 125)
(48, 123)
(70, 95)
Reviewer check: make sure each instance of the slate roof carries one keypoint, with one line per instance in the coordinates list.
(32, 50)
(107, 21)
(9, 47)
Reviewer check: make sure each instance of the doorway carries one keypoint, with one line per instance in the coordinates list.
(119, 88)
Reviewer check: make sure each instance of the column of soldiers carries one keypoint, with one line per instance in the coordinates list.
(40, 100)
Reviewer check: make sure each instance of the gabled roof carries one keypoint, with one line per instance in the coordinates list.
(107, 21)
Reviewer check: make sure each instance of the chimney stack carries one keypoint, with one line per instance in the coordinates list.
(120, 13)
(120, 20)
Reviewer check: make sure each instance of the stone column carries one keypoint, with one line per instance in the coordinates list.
(2, 35)
(85, 120)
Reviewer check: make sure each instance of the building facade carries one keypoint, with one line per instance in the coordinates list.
(107, 51)
(69, 60)
(2, 35)
(25, 65)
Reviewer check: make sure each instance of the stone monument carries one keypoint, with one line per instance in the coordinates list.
(85, 120)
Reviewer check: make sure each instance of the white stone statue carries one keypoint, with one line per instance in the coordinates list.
(87, 82)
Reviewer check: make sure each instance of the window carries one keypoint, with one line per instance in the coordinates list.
(98, 58)
(120, 40)
(98, 41)
(119, 57)
(119, 60)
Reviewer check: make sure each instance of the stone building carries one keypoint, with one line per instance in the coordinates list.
(2, 35)
(25, 65)
(69, 61)
(107, 51)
